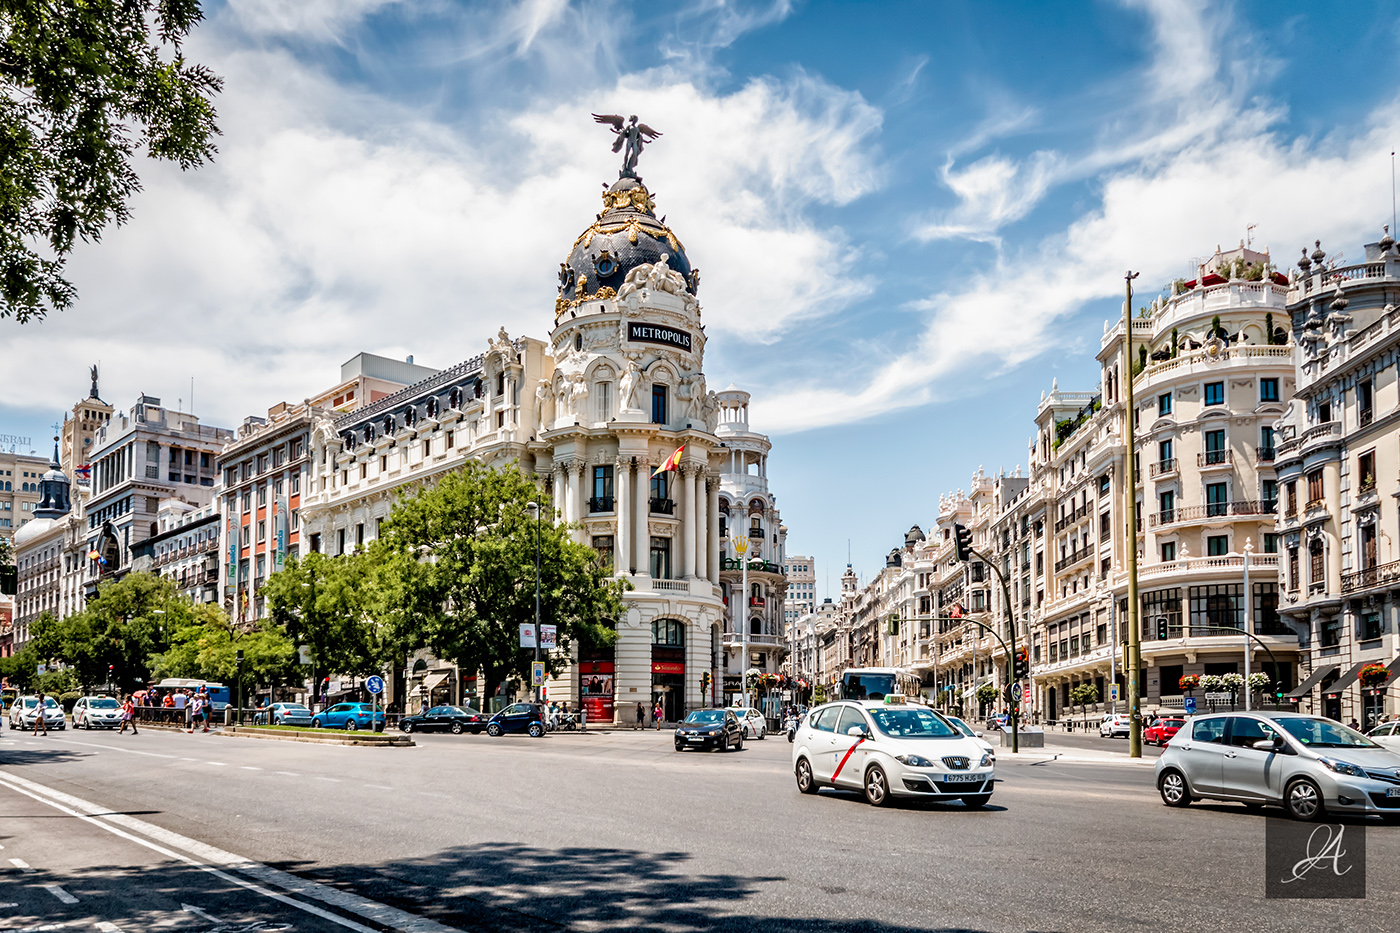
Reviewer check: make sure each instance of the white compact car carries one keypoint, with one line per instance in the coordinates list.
(1387, 735)
(23, 712)
(890, 749)
(971, 733)
(96, 713)
(1115, 725)
(755, 726)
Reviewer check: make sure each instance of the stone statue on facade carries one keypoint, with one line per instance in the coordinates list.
(631, 383)
(710, 407)
(631, 136)
(685, 395)
(578, 393)
(544, 401)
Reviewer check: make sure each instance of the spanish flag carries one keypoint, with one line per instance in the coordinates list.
(672, 462)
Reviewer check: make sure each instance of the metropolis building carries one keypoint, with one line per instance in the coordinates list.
(615, 388)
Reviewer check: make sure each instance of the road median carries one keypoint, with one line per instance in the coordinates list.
(318, 737)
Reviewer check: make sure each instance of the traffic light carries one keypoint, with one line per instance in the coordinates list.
(1161, 628)
(704, 681)
(962, 541)
(1021, 665)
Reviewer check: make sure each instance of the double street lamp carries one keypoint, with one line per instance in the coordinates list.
(534, 508)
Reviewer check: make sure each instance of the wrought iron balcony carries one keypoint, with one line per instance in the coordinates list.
(1382, 575)
(602, 504)
(661, 506)
(1264, 454)
(1163, 467)
(1215, 458)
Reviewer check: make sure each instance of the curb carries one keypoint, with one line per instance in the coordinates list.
(365, 741)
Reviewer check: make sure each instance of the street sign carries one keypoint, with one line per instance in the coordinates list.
(1015, 693)
(548, 638)
(537, 674)
(375, 685)
(304, 655)
(1190, 703)
(527, 635)
(334, 687)
(1113, 693)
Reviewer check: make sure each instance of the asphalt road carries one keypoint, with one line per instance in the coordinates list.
(610, 832)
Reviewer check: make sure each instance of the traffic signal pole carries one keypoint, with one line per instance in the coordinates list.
(1134, 664)
(1010, 655)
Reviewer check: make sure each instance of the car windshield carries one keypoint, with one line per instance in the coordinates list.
(1173, 723)
(107, 703)
(1323, 733)
(867, 686)
(961, 726)
(49, 703)
(705, 717)
(911, 723)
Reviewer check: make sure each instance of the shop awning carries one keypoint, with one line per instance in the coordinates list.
(1304, 688)
(1394, 668)
(1346, 679)
(433, 680)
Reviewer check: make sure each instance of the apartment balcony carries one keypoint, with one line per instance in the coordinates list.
(1211, 510)
(1381, 575)
(1069, 560)
(1162, 467)
(755, 566)
(1215, 458)
(662, 506)
(602, 504)
(1264, 454)
(1364, 417)
(1264, 564)
(1071, 517)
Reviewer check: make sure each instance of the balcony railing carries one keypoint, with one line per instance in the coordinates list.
(1072, 517)
(1264, 455)
(756, 601)
(1382, 575)
(1214, 458)
(1162, 467)
(601, 504)
(1365, 416)
(1315, 505)
(1073, 558)
(662, 506)
(1212, 510)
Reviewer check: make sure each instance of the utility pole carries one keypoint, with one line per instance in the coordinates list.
(741, 547)
(535, 507)
(1248, 620)
(1134, 660)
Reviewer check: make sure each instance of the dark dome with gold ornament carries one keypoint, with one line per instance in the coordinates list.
(627, 234)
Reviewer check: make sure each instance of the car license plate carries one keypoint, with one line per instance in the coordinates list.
(696, 738)
(963, 778)
(1392, 791)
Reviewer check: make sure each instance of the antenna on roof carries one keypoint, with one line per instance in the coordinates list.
(1249, 234)
(1392, 190)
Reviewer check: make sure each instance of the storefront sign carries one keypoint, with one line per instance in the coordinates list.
(657, 333)
(667, 667)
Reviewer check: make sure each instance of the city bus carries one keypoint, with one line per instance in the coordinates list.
(218, 693)
(875, 683)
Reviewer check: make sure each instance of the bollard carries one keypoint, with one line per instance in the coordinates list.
(228, 715)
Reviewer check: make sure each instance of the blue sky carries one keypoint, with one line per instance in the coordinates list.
(910, 217)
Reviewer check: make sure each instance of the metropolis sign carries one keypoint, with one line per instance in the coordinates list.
(656, 333)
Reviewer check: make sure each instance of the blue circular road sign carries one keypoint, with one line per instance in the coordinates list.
(375, 685)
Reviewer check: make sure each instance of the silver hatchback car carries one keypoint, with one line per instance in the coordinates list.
(1306, 764)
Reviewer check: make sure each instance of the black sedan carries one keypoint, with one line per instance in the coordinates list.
(454, 719)
(710, 728)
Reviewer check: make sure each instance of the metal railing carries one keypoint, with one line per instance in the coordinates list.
(1163, 466)
(1214, 457)
(600, 504)
(1073, 558)
(1380, 575)
(1072, 516)
(1264, 454)
(1189, 513)
(662, 506)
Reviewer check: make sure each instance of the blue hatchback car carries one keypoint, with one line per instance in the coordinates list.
(518, 717)
(349, 716)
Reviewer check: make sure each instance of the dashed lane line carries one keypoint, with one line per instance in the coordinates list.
(332, 780)
(21, 864)
(219, 764)
(378, 787)
(63, 896)
(250, 768)
(105, 926)
(287, 773)
(205, 857)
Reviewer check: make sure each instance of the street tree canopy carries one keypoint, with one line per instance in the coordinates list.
(83, 87)
(334, 605)
(458, 573)
(207, 649)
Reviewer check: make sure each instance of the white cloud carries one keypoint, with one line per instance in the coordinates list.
(317, 20)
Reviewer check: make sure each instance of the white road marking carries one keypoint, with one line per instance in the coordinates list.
(107, 927)
(189, 759)
(203, 914)
(21, 864)
(220, 764)
(287, 773)
(114, 748)
(379, 786)
(250, 768)
(382, 914)
(62, 895)
(332, 780)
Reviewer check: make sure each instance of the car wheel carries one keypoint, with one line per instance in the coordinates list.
(315, 723)
(805, 782)
(1173, 789)
(877, 786)
(762, 734)
(456, 728)
(739, 745)
(351, 725)
(1303, 801)
(494, 730)
(406, 726)
(536, 730)
(976, 801)
(680, 747)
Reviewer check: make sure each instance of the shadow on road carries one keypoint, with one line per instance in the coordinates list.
(502, 887)
(39, 756)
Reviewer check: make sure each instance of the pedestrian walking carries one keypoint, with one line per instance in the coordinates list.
(641, 716)
(1355, 725)
(39, 716)
(656, 715)
(128, 716)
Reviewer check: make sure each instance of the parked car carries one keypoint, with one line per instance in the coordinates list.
(518, 717)
(1387, 735)
(1114, 725)
(971, 733)
(284, 714)
(1308, 765)
(755, 726)
(99, 712)
(890, 750)
(349, 716)
(710, 728)
(1161, 731)
(454, 719)
(25, 708)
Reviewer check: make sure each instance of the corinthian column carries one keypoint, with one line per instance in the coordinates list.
(701, 530)
(580, 508)
(688, 536)
(643, 542)
(625, 506)
(561, 492)
(714, 544)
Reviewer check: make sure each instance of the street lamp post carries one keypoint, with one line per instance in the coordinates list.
(1134, 659)
(741, 547)
(534, 507)
(1248, 619)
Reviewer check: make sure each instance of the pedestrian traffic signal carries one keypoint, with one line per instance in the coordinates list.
(962, 541)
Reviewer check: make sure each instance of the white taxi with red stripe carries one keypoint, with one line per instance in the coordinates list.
(890, 748)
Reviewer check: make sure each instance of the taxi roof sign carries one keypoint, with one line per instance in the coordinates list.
(894, 698)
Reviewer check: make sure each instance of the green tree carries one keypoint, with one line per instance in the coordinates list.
(457, 574)
(83, 86)
(986, 694)
(207, 648)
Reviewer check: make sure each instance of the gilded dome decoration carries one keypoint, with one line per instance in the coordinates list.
(627, 234)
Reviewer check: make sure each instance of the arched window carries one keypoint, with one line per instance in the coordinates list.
(755, 527)
(410, 416)
(389, 425)
(454, 398)
(369, 433)
(433, 407)
(668, 632)
(756, 591)
(755, 626)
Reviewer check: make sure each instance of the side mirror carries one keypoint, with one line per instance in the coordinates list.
(856, 730)
(978, 734)
(1270, 745)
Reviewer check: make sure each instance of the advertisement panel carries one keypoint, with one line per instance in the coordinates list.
(596, 689)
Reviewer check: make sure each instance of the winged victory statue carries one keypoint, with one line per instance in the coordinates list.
(631, 134)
